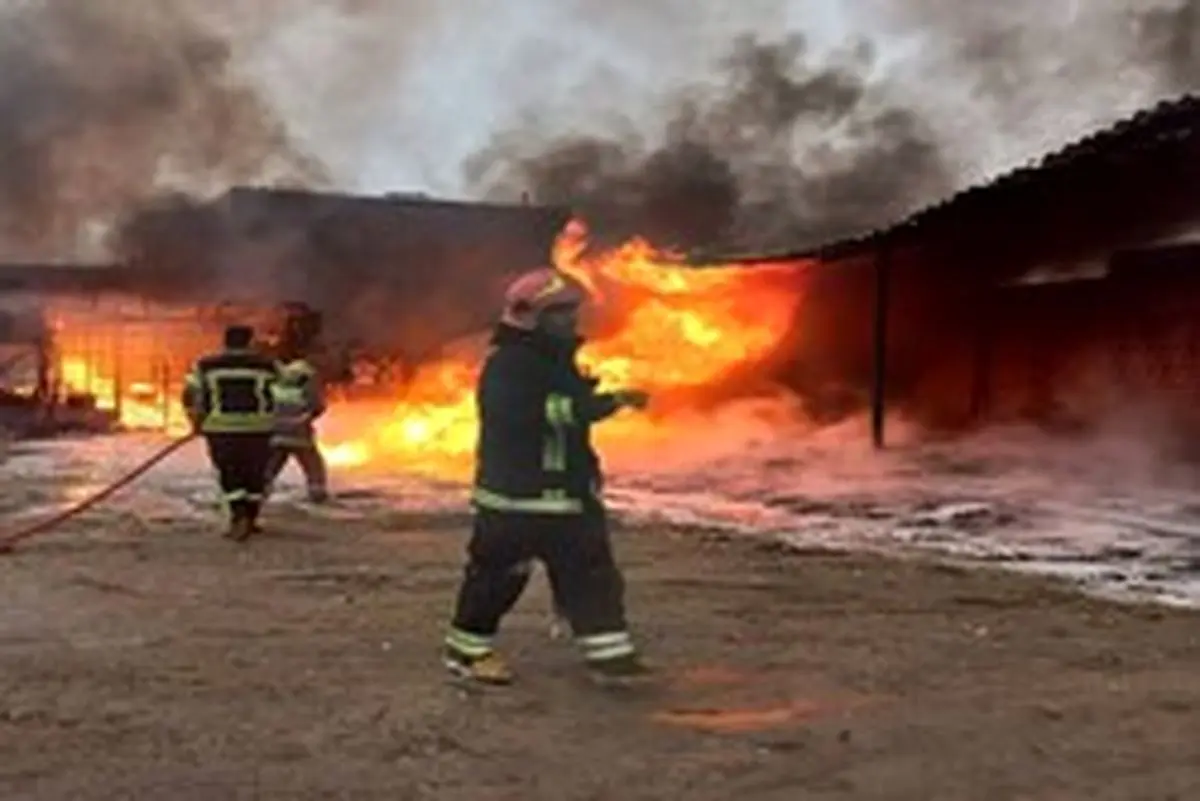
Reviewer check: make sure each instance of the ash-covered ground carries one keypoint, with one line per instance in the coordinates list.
(143, 657)
(1103, 512)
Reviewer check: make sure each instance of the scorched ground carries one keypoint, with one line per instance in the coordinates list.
(143, 658)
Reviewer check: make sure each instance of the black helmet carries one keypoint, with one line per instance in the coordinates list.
(239, 336)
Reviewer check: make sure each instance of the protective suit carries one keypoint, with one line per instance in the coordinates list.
(228, 399)
(536, 489)
(298, 401)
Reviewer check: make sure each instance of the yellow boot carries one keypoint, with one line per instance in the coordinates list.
(490, 668)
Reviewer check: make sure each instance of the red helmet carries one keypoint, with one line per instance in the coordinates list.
(537, 291)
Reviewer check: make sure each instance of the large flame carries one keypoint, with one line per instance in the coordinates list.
(132, 370)
(675, 330)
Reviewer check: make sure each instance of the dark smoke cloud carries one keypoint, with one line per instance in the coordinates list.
(783, 151)
(1171, 37)
(1021, 49)
(102, 103)
(1005, 83)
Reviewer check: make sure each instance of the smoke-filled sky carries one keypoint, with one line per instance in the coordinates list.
(849, 112)
(397, 98)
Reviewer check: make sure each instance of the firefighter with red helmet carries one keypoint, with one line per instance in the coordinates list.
(537, 488)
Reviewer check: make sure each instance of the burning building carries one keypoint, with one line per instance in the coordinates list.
(1058, 291)
(398, 289)
(1062, 291)
(373, 285)
(394, 277)
(82, 350)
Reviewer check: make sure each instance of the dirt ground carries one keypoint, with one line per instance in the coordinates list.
(165, 664)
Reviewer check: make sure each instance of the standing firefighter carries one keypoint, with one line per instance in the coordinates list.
(228, 398)
(537, 486)
(299, 401)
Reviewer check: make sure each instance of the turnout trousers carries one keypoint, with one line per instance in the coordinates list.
(311, 462)
(588, 588)
(241, 463)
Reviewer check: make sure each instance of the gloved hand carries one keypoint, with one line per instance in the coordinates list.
(632, 398)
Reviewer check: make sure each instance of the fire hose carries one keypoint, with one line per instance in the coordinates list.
(9, 541)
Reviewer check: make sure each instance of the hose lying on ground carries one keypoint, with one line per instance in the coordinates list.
(8, 541)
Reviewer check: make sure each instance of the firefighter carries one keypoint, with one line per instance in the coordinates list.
(228, 398)
(536, 492)
(299, 401)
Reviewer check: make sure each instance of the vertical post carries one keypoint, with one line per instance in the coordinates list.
(88, 367)
(883, 269)
(119, 371)
(57, 389)
(982, 358)
(165, 392)
(44, 392)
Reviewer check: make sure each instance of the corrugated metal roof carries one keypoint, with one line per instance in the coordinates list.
(63, 278)
(1168, 123)
(318, 203)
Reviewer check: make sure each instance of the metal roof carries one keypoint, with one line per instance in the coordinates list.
(1169, 123)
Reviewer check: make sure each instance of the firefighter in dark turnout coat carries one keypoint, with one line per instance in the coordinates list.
(537, 485)
(228, 398)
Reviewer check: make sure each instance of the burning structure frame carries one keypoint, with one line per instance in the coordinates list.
(1029, 274)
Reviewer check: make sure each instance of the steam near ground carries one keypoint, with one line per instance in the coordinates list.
(705, 119)
(1109, 512)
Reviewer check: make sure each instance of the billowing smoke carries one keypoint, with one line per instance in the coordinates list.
(106, 103)
(783, 150)
(1004, 83)
(764, 141)
(1171, 37)
(790, 146)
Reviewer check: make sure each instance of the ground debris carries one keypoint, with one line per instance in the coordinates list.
(826, 671)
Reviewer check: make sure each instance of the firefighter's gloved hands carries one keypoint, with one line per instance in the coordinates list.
(632, 398)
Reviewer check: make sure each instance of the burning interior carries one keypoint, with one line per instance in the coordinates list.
(949, 315)
(692, 335)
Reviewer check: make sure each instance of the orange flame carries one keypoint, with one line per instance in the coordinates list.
(131, 366)
(142, 405)
(657, 324)
(675, 330)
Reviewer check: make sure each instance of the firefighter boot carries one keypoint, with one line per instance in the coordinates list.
(240, 529)
(560, 626)
(252, 515)
(623, 671)
(489, 668)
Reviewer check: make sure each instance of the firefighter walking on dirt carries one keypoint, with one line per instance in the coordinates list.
(228, 399)
(299, 401)
(537, 485)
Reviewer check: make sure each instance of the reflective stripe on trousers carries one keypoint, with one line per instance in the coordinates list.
(555, 502)
(239, 495)
(610, 645)
(467, 644)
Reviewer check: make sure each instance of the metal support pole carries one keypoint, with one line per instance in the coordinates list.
(883, 269)
(982, 354)
(119, 372)
(88, 367)
(166, 394)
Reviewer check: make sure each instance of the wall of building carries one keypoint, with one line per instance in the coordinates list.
(1076, 352)
(1071, 318)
